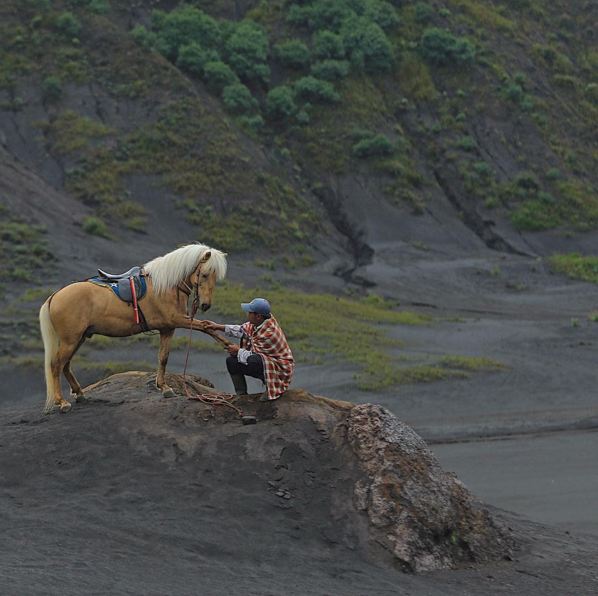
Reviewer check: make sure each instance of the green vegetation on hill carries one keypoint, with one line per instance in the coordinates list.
(23, 249)
(576, 266)
(498, 99)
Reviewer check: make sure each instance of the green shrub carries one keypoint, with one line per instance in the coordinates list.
(255, 122)
(533, 215)
(591, 92)
(145, 38)
(95, 226)
(554, 174)
(482, 169)
(302, 116)
(565, 81)
(328, 45)
(546, 197)
(96, 6)
(527, 181)
(218, 75)
(247, 51)
(381, 13)
(441, 47)
(182, 27)
(297, 16)
(68, 24)
(238, 99)
(366, 45)
(311, 89)
(51, 88)
(330, 70)
(99, 6)
(519, 4)
(373, 146)
(292, 53)
(423, 12)
(43, 5)
(514, 92)
(193, 58)
(280, 103)
(466, 143)
(324, 14)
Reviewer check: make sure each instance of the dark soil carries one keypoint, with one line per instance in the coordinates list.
(133, 494)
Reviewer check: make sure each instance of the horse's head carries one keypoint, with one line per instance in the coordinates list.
(204, 280)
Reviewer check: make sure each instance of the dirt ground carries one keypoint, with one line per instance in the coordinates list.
(134, 494)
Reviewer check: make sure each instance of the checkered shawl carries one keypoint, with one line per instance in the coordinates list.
(269, 342)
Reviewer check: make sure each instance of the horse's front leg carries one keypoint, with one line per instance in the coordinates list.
(185, 322)
(165, 337)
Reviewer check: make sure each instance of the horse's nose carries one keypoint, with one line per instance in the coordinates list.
(205, 306)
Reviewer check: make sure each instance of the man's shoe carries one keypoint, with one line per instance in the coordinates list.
(264, 397)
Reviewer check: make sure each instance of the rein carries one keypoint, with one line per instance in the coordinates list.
(210, 399)
(188, 290)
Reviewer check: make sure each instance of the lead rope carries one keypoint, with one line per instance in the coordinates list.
(210, 399)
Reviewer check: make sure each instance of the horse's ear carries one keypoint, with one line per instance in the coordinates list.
(206, 257)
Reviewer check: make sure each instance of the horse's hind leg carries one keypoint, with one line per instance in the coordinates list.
(59, 363)
(165, 337)
(76, 390)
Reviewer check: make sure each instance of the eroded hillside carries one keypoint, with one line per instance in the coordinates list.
(214, 117)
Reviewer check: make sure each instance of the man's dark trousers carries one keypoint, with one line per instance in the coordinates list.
(253, 368)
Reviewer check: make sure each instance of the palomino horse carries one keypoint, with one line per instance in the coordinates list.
(81, 309)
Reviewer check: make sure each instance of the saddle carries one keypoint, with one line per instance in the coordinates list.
(120, 283)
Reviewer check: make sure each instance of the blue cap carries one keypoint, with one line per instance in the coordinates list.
(259, 306)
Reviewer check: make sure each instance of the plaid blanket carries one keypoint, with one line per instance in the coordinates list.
(269, 342)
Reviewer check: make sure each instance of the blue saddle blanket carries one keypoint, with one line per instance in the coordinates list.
(122, 287)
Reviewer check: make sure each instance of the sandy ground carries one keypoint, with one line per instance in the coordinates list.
(134, 494)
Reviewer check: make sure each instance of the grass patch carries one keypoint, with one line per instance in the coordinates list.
(71, 132)
(485, 15)
(576, 266)
(36, 295)
(470, 363)
(23, 248)
(448, 367)
(415, 79)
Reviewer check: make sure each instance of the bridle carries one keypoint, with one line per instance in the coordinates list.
(210, 399)
(188, 289)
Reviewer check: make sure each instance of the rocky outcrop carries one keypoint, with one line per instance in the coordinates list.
(424, 516)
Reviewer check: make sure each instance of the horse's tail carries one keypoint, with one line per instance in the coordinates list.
(51, 344)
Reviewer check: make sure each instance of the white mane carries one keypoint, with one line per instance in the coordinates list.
(167, 271)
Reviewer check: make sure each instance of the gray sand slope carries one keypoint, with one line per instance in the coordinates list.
(133, 494)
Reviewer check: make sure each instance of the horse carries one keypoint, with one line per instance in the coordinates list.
(81, 309)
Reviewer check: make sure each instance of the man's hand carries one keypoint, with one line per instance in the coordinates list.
(211, 326)
(233, 349)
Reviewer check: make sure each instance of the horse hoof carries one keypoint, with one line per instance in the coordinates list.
(168, 392)
(65, 407)
(80, 398)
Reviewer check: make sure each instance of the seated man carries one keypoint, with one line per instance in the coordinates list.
(264, 352)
